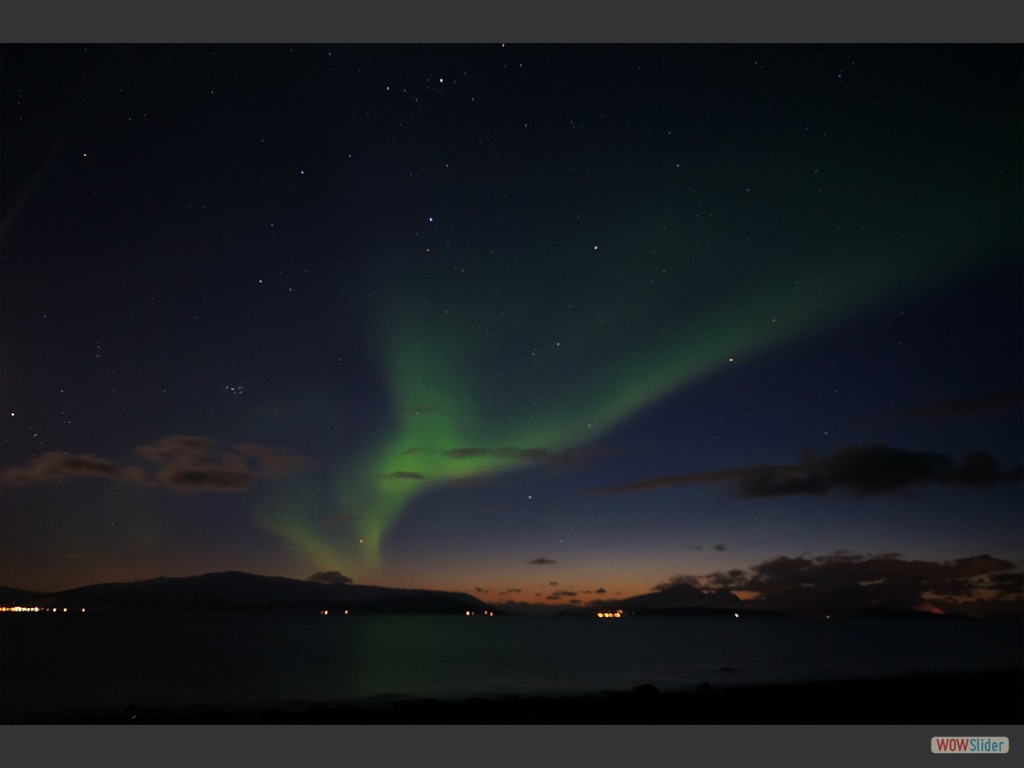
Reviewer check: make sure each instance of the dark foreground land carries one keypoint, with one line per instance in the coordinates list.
(983, 698)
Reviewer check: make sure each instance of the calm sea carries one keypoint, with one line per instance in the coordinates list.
(55, 667)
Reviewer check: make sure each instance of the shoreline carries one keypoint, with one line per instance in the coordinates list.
(964, 699)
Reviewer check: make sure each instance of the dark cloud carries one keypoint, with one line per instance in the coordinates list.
(466, 453)
(1009, 401)
(508, 452)
(55, 465)
(185, 463)
(676, 581)
(191, 464)
(600, 591)
(406, 476)
(558, 594)
(523, 454)
(557, 461)
(685, 592)
(845, 581)
(1006, 583)
(541, 561)
(873, 469)
(718, 547)
(329, 577)
(732, 579)
(860, 582)
(226, 475)
(863, 470)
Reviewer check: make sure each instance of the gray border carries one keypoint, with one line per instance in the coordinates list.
(303, 21)
(568, 21)
(492, 745)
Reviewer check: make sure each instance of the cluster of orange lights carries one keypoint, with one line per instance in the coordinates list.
(483, 613)
(34, 609)
(325, 612)
(609, 614)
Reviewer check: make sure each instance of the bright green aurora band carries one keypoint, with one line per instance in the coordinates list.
(495, 360)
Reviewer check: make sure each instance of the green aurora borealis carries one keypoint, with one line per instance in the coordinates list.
(398, 312)
(544, 348)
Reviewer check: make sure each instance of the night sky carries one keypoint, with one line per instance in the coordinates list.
(543, 324)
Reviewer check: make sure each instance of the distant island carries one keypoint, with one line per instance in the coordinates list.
(235, 590)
